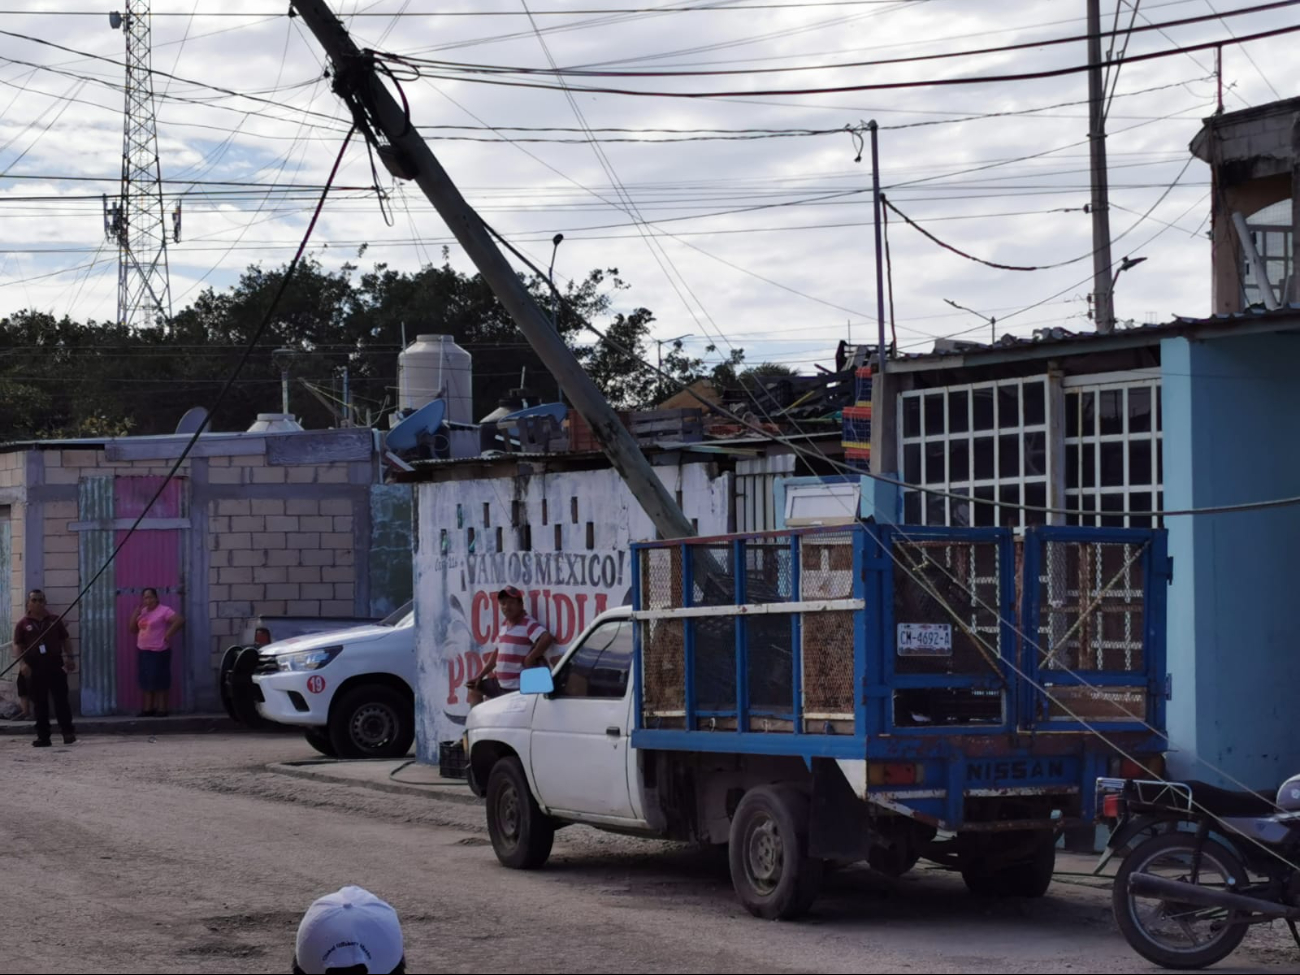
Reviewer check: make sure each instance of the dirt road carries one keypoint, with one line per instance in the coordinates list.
(184, 854)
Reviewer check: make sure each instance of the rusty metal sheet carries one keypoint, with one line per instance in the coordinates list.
(98, 628)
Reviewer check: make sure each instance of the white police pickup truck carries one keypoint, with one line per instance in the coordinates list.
(352, 691)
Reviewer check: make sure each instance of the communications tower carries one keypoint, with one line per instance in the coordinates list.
(136, 221)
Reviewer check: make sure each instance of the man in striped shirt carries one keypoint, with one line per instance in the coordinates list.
(523, 643)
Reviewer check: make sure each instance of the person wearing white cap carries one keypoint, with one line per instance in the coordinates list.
(349, 931)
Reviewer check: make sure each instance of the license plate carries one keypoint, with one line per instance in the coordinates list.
(924, 640)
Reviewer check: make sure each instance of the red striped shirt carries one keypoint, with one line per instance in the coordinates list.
(513, 646)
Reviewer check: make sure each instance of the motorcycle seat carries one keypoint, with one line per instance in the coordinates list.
(1229, 802)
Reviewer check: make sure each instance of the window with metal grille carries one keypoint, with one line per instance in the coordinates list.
(1270, 231)
(986, 440)
(1113, 457)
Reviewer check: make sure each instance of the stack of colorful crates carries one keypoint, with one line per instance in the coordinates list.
(857, 424)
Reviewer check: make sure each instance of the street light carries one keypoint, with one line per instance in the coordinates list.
(555, 304)
(550, 277)
(1125, 265)
(662, 342)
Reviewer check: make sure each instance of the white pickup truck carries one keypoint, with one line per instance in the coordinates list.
(560, 752)
(352, 691)
(760, 697)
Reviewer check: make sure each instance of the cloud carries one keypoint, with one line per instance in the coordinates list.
(765, 206)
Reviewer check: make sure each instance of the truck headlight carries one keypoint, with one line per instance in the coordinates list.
(308, 659)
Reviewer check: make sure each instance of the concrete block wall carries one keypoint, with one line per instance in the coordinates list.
(272, 530)
(280, 556)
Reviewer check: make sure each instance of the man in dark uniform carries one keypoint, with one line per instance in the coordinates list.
(41, 639)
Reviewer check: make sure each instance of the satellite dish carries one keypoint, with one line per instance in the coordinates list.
(192, 421)
(115, 20)
(424, 421)
(556, 411)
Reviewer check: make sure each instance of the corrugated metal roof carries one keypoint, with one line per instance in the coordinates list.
(740, 444)
(1067, 339)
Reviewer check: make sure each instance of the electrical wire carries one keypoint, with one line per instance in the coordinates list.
(216, 405)
(471, 68)
(944, 82)
(577, 11)
(1249, 57)
(986, 648)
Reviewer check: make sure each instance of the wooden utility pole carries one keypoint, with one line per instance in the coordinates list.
(1103, 297)
(409, 152)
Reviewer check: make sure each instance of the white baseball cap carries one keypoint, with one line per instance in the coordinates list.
(351, 930)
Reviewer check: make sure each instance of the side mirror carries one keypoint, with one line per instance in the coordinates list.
(536, 680)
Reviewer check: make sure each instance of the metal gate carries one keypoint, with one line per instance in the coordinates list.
(150, 558)
(947, 640)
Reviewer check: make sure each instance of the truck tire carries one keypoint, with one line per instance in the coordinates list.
(372, 721)
(319, 739)
(893, 861)
(223, 681)
(771, 871)
(1027, 878)
(522, 835)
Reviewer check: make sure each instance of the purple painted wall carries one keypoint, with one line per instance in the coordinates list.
(150, 559)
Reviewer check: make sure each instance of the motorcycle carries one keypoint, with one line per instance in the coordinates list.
(1201, 865)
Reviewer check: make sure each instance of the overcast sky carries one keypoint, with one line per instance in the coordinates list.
(764, 244)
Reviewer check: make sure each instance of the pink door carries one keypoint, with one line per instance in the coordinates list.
(151, 558)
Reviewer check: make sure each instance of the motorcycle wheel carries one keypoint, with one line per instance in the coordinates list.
(1169, 933)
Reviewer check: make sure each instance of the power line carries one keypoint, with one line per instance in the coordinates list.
(577, 11)
(221, 396)
(879, 86)
(911, 59)
(1249, 57)
(154, 71)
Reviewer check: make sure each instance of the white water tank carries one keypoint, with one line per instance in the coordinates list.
(275, 423)
(435, 367)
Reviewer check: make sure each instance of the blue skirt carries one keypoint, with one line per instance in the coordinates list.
(155, 670)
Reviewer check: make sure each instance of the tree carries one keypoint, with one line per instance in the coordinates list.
(66, 378)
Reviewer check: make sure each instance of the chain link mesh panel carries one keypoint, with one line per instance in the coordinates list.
(769, 640)
(828, 665)
(712, 576)
(769, 571)
(826, 566)
(715, 663)
(663, 661)
(661, 578)
(1091, 599)
(957, 584)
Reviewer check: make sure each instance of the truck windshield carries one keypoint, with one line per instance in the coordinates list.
(397, 615)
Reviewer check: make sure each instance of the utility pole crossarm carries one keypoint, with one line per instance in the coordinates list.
(407, 154)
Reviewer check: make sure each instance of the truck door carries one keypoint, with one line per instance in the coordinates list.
(1094, 628)
(581, 733)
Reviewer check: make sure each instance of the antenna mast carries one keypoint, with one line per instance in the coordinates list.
(137, 220)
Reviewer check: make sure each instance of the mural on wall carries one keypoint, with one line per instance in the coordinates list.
(460, 568)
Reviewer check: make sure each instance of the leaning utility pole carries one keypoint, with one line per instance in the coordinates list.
(1103, 297)
(136, 221)
(408, 156)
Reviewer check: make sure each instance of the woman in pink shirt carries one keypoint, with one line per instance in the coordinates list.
(154, 626)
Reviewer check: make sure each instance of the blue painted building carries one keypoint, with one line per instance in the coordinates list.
(1192, 414)
(1128, 428)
